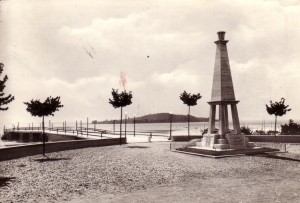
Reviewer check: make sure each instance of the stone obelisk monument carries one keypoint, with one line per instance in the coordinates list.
(223, 97)
(222, 91)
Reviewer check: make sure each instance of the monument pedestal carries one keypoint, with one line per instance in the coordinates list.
(231, 141)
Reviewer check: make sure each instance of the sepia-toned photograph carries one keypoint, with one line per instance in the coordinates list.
(123, 101)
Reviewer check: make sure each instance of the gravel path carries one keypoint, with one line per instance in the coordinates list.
(144, 172)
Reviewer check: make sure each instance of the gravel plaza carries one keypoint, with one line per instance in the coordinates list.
(149, 172)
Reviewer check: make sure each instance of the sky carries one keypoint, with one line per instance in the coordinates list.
(79, 49)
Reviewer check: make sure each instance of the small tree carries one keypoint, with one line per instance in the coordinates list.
(4, 99)
(190, 100)
(278, 109)
(42, 109)
(120, 100)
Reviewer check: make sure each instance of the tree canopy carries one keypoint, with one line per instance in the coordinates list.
(277, 108)
(120, 99)
(46, 108)
(4, 99)
(189, 99)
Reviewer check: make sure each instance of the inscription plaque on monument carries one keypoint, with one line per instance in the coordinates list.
(209, 140)
(236, 141)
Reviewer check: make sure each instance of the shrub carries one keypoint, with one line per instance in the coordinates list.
(259, 132)
(290, 129)
(246, 130)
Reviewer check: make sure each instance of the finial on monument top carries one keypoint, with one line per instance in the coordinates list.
(221, 35)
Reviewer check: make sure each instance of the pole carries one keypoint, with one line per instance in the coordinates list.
(81, 127)
(65, 126)
(275, 127)
(44, 145)
(114, 125)
(121, 127)
(125, 125)
(87, 126)
(170, 126)
(134, 126)
(189, 123)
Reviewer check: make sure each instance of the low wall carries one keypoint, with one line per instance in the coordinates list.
(271, 138)
(293, 148)
(35, 149)
(36, 136)
(182, 138)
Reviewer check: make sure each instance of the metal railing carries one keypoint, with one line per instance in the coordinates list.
(84, 131)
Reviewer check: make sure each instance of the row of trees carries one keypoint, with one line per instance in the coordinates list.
(122, 99)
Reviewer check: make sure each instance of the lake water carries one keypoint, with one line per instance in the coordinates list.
(196, 128)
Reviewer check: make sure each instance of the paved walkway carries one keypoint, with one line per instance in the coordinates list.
(130, 139)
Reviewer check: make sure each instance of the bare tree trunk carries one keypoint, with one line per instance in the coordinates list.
(121, 126)
(43, 126)
(275, 127)
(189, 122)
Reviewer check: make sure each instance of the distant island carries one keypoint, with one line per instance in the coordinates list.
(157, 118)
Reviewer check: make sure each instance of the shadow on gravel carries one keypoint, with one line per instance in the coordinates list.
(137, 147)
(4, 181)
(50, 159)
(279, 157)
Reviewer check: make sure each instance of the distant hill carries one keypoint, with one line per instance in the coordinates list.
(159, 118)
